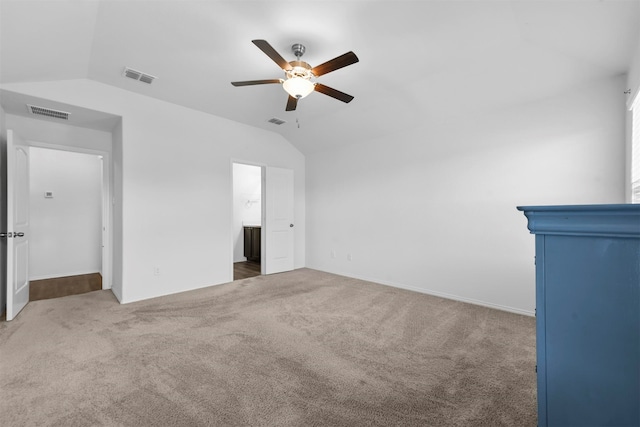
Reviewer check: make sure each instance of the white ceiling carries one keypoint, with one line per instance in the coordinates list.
(420, 61)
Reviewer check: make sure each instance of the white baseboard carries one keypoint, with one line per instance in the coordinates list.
(117, 295)
(164, 294)
(436, 293)
(49, 276)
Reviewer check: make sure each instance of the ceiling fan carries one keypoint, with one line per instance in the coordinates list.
(299, 75)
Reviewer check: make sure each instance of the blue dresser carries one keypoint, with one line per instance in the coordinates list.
(588, 314)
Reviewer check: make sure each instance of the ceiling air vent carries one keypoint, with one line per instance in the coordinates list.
(276, 121)
(48, 112)
(138, 75)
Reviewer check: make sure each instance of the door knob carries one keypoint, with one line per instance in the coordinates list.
(10, 234)
(290, 225)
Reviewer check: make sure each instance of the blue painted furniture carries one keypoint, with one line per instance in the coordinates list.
(588, 314)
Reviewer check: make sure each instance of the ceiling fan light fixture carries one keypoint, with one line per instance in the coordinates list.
(300, 75)
(298, 87)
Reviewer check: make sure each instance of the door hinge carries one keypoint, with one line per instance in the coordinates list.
(536, 369)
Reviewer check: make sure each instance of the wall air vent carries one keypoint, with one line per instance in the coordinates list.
(276, 121)
(48, 112)
(138, 75)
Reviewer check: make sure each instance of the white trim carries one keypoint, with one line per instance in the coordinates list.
(107, 205)
(115, 292)
(164, 294)
(633, 98)
(438, 294)
(633, 177)
(73, 273)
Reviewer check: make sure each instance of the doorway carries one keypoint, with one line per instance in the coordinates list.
(247, 220)
(17, 204)
(66, 223)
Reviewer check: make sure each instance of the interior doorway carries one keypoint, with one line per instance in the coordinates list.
(247, 220)
(66, 223)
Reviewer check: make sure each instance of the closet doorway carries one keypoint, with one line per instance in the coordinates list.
(67, 219)
(247, 220)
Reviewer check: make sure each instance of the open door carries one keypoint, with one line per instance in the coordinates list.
(279, 226)
(17, 235)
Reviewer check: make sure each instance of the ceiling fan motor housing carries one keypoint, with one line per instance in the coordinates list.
(299, 69)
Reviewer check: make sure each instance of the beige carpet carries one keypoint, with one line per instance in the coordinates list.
(303, 348)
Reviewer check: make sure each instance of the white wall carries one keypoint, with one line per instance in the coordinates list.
(247, 204)
(633, 77)
(434, 209)
(633, 85)
(65, 230)
(176, 186)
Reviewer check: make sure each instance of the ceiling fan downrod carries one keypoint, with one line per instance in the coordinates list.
(298, 50)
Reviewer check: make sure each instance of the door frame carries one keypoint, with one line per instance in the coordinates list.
(263, 168)
(107, 203)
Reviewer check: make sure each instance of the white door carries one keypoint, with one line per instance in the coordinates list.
(279, 226)
(17, 224)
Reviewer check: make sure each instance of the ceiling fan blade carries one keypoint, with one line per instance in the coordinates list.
(341, 96)
(256, 82)
(292, 103)
(335, 64)
(264, 46)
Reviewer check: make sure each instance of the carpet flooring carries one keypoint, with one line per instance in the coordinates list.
(302, 348)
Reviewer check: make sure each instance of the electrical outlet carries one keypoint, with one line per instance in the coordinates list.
(333, 253)
(156, 271)
(349, 258)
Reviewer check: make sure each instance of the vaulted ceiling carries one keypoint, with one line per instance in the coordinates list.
(420, 61)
